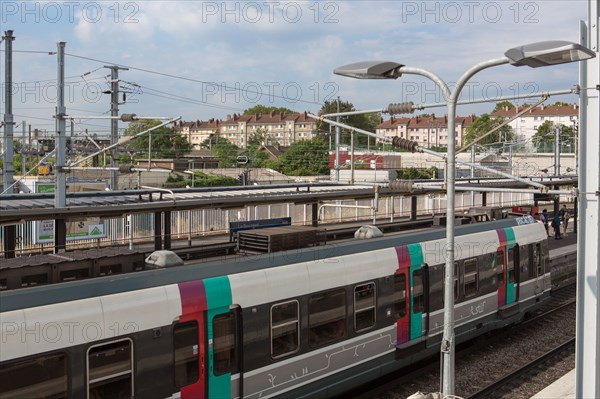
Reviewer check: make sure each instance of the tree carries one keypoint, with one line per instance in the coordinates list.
(502, 104)
(362, 121)
(258, 137)
(212, 139)
(263, 109)
(482, 125)
(226, 152)
(414, 173)
(258, 159)
(561, 103)
(166, 142)
(306, 158)
(544, 137)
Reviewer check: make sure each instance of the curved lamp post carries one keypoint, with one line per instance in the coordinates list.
(534, 55)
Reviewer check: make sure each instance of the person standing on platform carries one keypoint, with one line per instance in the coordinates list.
(566, 219)
(562, 212)
(556, 226)
(544, 219)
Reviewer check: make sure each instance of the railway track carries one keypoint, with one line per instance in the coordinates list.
(518, 377)
(487, 360)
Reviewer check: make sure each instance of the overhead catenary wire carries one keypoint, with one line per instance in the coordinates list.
(169, 75)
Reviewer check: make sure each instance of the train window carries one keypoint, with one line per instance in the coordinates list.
(110, 370)
(455, 281)
(470, 277)
(364, 306)
(418, 295)
(526, 272)
(538, 259)
(326, 317)
(285, 330)
(500, 268)
(399, 296)
(185, 356)
(3, 284)
(455, 284)
(40, 377)
(224, 337)
(510, 265)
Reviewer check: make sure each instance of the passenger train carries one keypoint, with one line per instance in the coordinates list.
(313, 322)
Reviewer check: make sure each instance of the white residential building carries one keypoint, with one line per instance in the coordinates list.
(526, 125)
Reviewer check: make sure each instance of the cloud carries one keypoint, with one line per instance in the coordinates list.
(291, 44)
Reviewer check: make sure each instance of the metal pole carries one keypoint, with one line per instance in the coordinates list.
(60, 196)
(557, 151)
(352, 158)
(473, 175)
(60, 141)
(587, 350)
(448, 342)
(24, 152)
(7, 144)
(337, 144)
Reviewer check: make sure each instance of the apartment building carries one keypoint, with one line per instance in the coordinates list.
(279, 128)
(198, 131)
(428, 131)
(526, 125)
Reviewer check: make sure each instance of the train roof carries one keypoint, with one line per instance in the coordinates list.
(81, 289)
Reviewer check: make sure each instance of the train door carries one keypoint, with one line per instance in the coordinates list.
(189, 342)
(418, 301)
(409, 313)
(501, 276)
(505, 271)
(512, 275)
(401, 307)
(410, 278)
(225, 379)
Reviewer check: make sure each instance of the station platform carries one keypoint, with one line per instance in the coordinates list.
(563, 388)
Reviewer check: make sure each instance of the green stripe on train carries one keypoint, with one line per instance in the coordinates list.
(218, 299)
(510, 243)
(416, 261)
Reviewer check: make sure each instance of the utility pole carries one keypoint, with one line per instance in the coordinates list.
(60, 196)
(114, 123)
(7, 145)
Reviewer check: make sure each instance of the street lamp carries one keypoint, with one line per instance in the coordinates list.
(533, 55)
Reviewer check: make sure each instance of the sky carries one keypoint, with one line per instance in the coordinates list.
(210, 59)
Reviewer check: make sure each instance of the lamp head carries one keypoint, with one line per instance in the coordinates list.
(370, 70)
(546, 53)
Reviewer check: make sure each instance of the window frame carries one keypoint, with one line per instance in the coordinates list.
(500, 273)
(371, 308)
(195, 353)
(33, 360)
(399, 303)
(329, 326)
(272, 327)
(471, 293)
(233, 367)
(89, 382)
(421, 308)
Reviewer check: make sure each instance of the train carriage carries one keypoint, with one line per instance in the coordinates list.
(309, 323)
